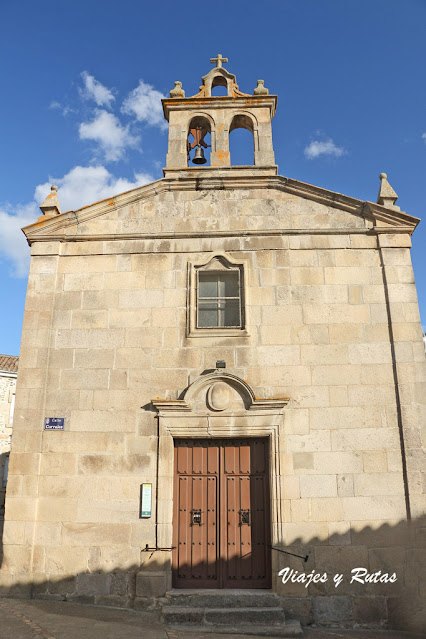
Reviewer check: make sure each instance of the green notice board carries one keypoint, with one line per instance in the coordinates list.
(146, 499)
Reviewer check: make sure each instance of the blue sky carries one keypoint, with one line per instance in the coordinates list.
(82, 82)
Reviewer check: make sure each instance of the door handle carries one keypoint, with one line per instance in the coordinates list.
(245, 517)
(196, 517)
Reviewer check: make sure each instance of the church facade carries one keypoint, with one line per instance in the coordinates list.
(217, 369)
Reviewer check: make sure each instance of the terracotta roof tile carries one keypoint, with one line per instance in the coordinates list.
(9, 363)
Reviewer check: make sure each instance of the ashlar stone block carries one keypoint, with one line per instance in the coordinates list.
(373, 508)
(378, 484)
(336, 314)
(147, 298)
(312, 276)
(56, 509)
(345, 485)
(95, 534)
(326, 509)
(318, 486)
(315, 441)
(365, 439)
(152, 584)
(324, 354)
(299, 510)
(339, 533)
(83, 282)
(303, 461)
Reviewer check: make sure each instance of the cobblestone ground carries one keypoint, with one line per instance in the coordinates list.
(58, 620)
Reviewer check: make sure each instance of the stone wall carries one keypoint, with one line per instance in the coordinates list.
(332, 322)
(7, 391)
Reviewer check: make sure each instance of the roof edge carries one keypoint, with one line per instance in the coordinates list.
(195, 182)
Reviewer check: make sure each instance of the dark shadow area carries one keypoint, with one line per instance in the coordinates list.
(4, 457)
(398, 548)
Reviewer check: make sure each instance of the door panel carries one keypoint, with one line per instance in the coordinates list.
(195, 558)
(221, 514)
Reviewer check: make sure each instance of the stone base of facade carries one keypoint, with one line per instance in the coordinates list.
(147, 590)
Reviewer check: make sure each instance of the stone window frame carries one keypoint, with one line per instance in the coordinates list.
(218, 262)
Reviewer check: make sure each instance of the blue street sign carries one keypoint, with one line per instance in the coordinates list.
(54, 423)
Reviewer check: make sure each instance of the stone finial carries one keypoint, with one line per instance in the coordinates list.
(260, 89)
(50, 206)
(177, 91)
(387, 196)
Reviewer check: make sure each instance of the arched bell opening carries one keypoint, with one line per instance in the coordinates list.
(199, 141)
(219, 86)
(241, 141)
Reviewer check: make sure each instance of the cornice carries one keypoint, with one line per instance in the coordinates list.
(219, 102)
(8, 374)
(391, 216)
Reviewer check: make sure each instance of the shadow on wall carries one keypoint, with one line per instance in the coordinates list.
(398, 548)
(3, 457)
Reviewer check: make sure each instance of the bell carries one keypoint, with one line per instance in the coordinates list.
(199, 156)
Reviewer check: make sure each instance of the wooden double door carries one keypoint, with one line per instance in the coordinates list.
(221, 523)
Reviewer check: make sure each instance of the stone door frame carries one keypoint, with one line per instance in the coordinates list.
(180, 419)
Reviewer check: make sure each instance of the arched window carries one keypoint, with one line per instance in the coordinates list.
(219, 299)
(199, 140)
(241, 141)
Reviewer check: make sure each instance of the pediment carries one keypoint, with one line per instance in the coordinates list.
(218, 72)
(218, 393)
(173, 208)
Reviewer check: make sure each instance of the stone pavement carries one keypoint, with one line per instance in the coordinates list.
(36, 619)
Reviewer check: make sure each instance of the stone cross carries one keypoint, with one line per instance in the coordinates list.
(218, 60)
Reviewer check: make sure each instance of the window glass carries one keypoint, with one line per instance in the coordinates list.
(207, 285)
(208, 315)
(231, 314)
(229, 285)
(219, 301)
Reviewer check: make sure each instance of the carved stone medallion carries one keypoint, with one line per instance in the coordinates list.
(219, 396)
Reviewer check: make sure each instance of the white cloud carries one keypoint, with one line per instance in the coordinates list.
(94, 90)
(81, 186)
(316, 148)
(57, 105)
(424, 137)
(85, 185)
(144, 103)
(107, 130)
(13, 246)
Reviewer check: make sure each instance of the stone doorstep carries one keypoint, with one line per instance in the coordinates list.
(234, 611)
(215, 598)
(290, 628)
(223, 616)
